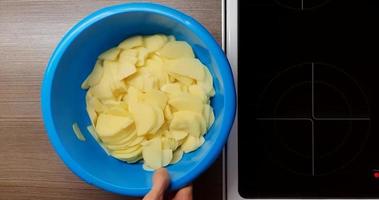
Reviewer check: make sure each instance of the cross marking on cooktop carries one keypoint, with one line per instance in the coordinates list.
(302, 4)
(313, 117)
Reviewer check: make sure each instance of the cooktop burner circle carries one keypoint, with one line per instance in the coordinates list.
(318, 115)
(301, 4)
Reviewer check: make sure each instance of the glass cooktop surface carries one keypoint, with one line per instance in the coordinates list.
(308, 99)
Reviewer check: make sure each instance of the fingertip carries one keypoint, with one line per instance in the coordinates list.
(161, 178)
(184, 193)
(161, 181)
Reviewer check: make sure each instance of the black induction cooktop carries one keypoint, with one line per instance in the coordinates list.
(308, 98)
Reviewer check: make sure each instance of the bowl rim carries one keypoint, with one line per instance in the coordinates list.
(193, 25)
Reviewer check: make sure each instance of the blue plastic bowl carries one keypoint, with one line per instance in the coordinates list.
(63, 101)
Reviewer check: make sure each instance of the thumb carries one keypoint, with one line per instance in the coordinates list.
(161, 180)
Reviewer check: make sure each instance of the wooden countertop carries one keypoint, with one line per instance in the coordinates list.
(29, 32)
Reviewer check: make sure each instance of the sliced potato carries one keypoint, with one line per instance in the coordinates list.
(144, 117)
(155, 98)
(123, 138)
(147, 168)
(166, 157)
(177, 49)
(77, 132)
(111, 54)
(131, 42)
(182, 79)
(171, 88)
(152, 153)
(207, 83)
(167, 112)
(186, 102)
(142, 55)
(94, 77)
(178, 135)
(136, 141)
(198, 91)
(155, 42)
(169, 143)
(159, 119)
(188, 67)
(128, 156)
(187, 121)
(128, 56)
(92, 115)
(171, 38)
(109, 125)
(177, 156)
(125, 70)
(149, 99)
(133, 160)
(191, 143)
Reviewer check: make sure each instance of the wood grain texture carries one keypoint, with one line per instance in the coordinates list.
(29, 32)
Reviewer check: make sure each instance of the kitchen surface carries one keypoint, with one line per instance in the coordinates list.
(29, 32)
(314, 85)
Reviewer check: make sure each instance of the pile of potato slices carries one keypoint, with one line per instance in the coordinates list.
(149, 98)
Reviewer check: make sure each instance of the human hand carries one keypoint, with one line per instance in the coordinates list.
(161, 181)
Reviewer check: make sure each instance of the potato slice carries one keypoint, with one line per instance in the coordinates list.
(188, 67)
(136, 141)
(167, 112)
(127, 156)
(125, 69)
(131, 42)
(159, 119)
(178, 135)
(198, 91)
(202, 123)
(123, 148)
(96, 104)
(182, 79)
(133, 97)
(169, 143)
(133, 160)
(166, 157)
(206, 113)
(92, 115)
(94, 77)
(111, 54)
(117, 111)
(103, 89)
(152, 153)
(191, 143)
(155, 98)
(147, 168)
(171, 38)
(109, 125)
(155, 42)
(144, 117)
(186, 102)
(187, 121)
(207, 83)
(77, 132)
(177, 156)
(123, 138)
(142, 55)
(128, 56)
(92, 131)
(171, 88)
(211, 119)
(176, 49)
